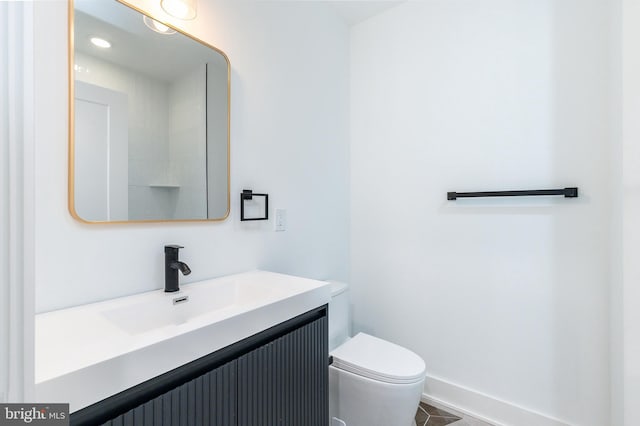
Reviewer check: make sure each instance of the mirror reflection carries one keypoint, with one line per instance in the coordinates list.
(150, 138)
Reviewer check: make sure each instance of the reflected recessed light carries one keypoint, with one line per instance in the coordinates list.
(157, 26)
(183, 9)
(100, 42)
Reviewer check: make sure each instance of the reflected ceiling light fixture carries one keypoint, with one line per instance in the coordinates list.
(100, 42)
(181, 9)
(157, 26)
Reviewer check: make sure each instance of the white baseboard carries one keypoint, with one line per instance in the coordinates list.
(483, 407)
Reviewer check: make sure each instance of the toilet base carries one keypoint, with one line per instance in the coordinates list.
(360, 401)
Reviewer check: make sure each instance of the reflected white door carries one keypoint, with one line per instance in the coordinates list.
(101, 153)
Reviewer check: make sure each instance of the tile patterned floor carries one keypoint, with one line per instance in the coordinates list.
(429, 415)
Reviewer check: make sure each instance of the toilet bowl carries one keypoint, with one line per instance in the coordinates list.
(372, 382)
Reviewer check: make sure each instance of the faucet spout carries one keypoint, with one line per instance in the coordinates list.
(171, 267)
(182, 267)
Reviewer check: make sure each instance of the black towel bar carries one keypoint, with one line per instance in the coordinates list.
(567, 192)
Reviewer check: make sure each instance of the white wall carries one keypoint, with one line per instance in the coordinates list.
(289, 124)
(505, 299)
(630, 299)
(616, 302)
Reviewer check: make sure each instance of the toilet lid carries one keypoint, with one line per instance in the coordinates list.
(378, 359)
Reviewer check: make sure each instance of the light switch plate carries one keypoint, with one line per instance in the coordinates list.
(280, 220)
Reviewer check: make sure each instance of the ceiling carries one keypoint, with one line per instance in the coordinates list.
(355, 11)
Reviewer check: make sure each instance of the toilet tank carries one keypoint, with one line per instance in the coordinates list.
(339, 315)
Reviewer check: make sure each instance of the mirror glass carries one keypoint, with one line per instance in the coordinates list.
(149, 135)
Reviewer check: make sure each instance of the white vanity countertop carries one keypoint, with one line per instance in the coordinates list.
(90, 352)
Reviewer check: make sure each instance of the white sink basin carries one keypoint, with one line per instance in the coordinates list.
(87, 353)
(154, 310)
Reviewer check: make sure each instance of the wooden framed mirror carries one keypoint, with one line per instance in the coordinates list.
(149, 119)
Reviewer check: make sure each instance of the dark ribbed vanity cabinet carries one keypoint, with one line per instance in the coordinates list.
(276, 377)
(285, 381)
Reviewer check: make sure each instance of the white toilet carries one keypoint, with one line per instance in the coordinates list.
(372, 382)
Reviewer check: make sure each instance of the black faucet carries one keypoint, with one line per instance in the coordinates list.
(171, 267)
